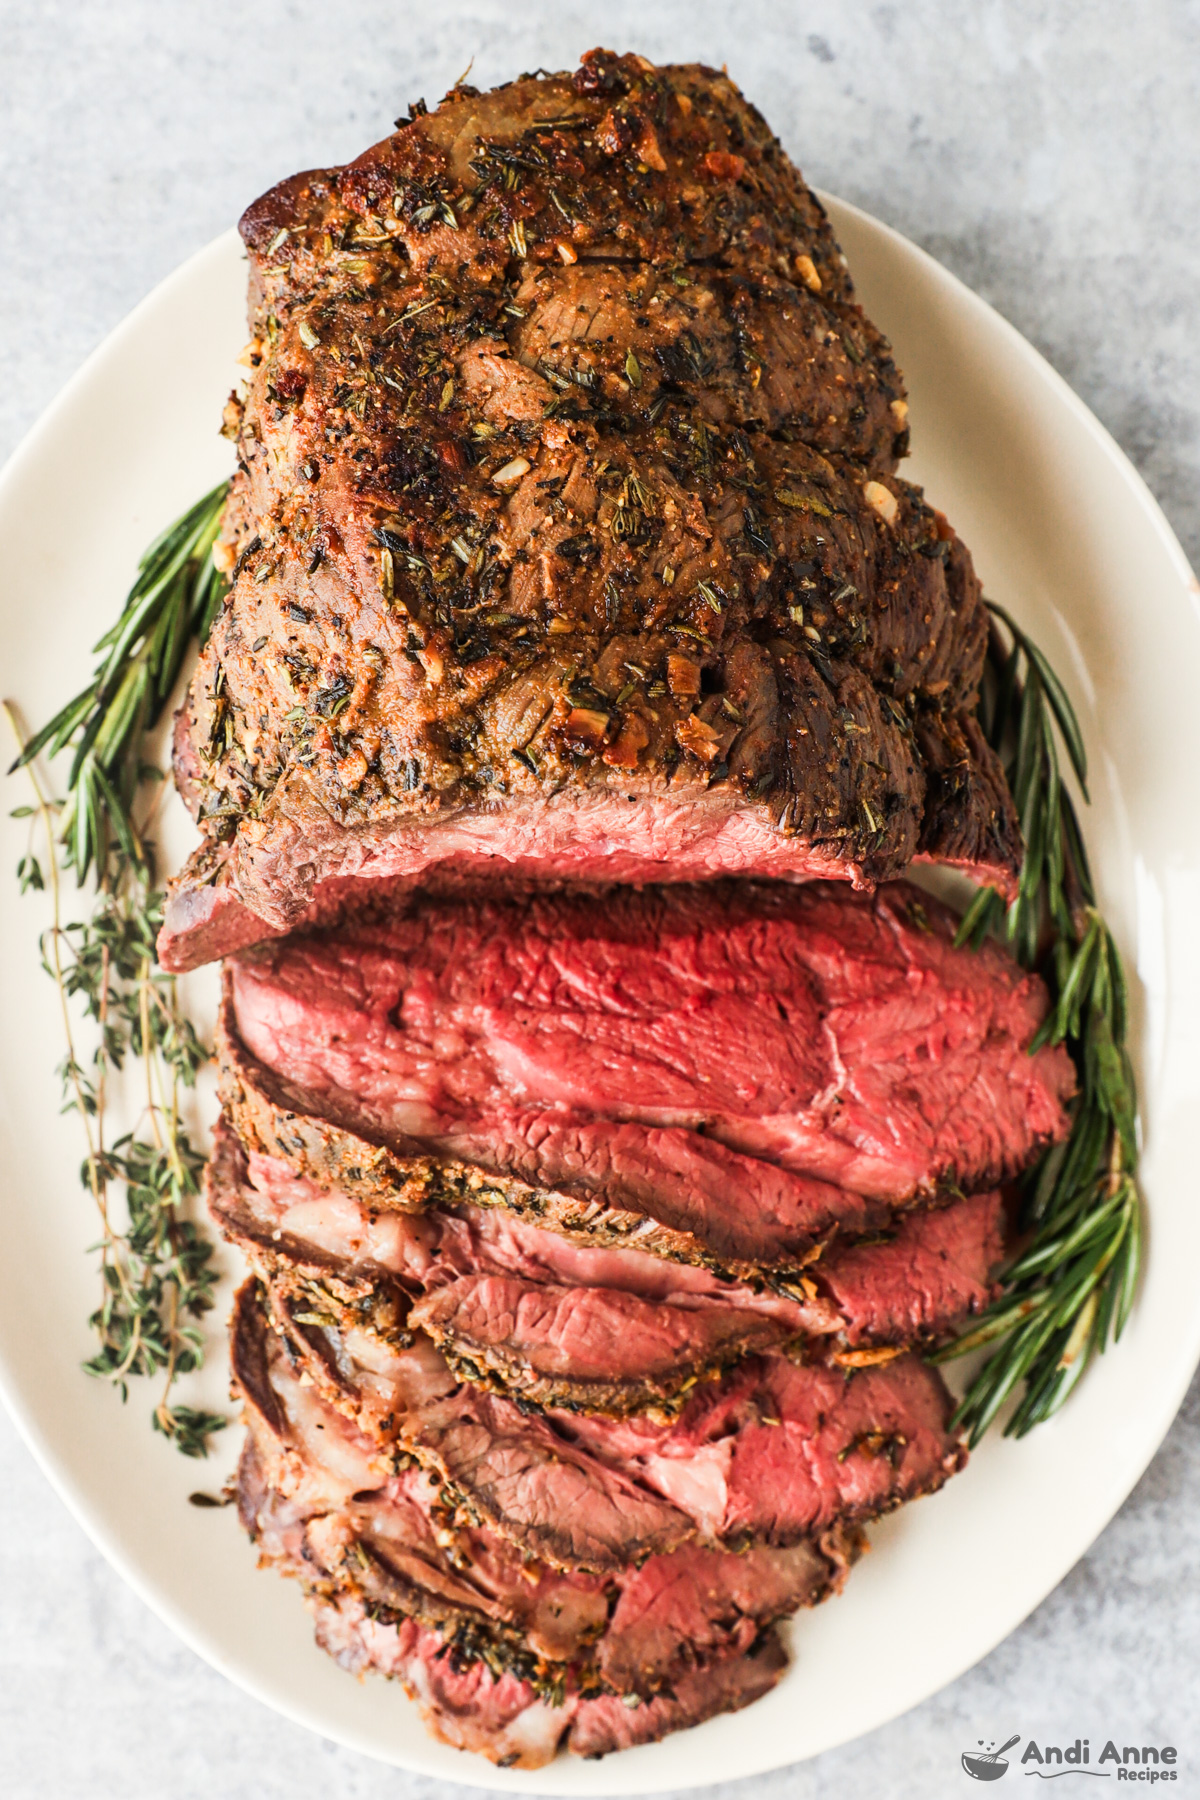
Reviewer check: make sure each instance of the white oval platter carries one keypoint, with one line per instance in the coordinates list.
(1067, 536)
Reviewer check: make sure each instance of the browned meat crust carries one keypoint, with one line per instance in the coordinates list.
(566, 528)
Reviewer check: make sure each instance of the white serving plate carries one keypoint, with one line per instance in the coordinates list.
(1067, 536)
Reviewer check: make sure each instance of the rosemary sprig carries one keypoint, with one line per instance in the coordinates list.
(1071, 1288)
(156, 1268)
(174, 600)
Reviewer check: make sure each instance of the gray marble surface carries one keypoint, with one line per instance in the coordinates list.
(1047, 152)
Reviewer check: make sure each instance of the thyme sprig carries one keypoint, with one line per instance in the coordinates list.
(156, 1270)
(1071, 1288)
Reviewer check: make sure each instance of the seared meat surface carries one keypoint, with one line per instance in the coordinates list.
(566, 534)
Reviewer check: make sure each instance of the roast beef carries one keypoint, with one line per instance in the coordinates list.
(773, 1451)
(670, 1194)
(565, 537)
(589, 1347)
(319, 1508)
(604, 1349)
(605, 1723)
(511, 1469)
(692, 1176)
(316, 1501)
(613, 1331)
(600, 1193)
(497, 1715)
(607, 1044)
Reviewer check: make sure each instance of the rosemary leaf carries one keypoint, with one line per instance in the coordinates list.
(1064, 712)
(979, 917)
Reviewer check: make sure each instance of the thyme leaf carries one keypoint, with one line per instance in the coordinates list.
(155, 1263)
(1070, 1289)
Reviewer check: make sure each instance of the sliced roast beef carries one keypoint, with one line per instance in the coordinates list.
(315, 1498)
(604, 1330)
(525, 1479)
(700, 1605)
(393, 1541)
(608, 1043)
(509, 1467)
(604, 1349)
(920, 1280)
(595, 1348)
(497, 1715)
(287, 1219)
(566, 538)
(605, 1723)
(772, 1450)
(665, 1182)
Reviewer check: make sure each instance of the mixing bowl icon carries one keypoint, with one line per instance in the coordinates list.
(988, 1765)
(984, 1768)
